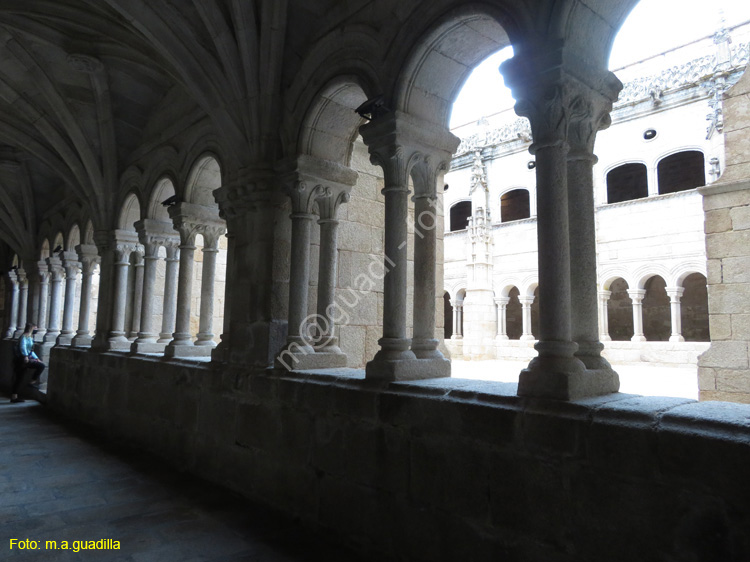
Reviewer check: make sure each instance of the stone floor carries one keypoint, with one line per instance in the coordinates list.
(61, 482)
(635, 378)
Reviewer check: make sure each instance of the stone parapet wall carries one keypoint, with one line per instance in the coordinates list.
(438, 470)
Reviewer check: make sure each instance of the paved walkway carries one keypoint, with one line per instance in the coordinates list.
(641, 378)
(60, 482)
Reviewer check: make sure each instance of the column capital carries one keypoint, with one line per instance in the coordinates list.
(526, 301)
(44, 272)
(56, 269)
(308, 180)
(675, 293)
(70, 263)
(564, 97)
(21, 274)
(604, 294)
(153, 234)
(636, 295)
(190, 219)
(13, 276)
(502, 301)
(88, 255)
(401, 143)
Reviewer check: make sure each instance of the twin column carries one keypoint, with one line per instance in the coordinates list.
(313, 183)
(565, 113)
(409, 148)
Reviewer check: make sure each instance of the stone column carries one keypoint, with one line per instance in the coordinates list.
(135, 298)
(219, 353)
(426, 173)
(526, 333)
(181, 336)
(604, 315)
(117, 338)
(55, 303)
(23, 300)
(12, 277)
(152, 235)
(89, 258)
(189, 220)
(636, 295)
(71, 266)
(208, 278)
(456, 325)
(590, 112)
(170, 293)
(401, 144)
(44, 276)
(675, 294)
(547, 82)
(460, 320)
(502, 304)
(329, 201)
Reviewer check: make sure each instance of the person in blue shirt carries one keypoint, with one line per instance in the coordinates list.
(26, 359)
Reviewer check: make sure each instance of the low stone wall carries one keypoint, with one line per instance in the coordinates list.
(665, 354)
(439, 470)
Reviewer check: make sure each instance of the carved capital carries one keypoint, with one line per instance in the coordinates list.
(564, 98)
(88, 256)
(44, 272)
(400, 143)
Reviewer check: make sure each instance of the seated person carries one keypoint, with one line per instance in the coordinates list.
(25, 359)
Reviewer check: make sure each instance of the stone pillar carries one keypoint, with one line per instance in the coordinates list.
(456, 324)
(181, 336)
(502, 304)
(254, 209)
(604, 315)
(675, 294)
(152, 235)
(23, 300)
(220, 352)
(89, 258)
(460, 320)
(401, 144)
(44, 276)
(135, 298)
(55, 303)
(117, 338)
(170, 293)
(636, 295)
(548, 83)
(329, 201)
(526, 333)
(590, 114)
(189, 220)
(208, 278)
(71, 266)
(12, 277)
(426, 173)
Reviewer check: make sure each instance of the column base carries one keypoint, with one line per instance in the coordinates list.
(501, 338)
(81, 340)
(64, 339)
(590, 353)
(315, 360)
(407, 369)
(527, 337)
(187, 350)
(118, 343)
(455, 337)
(51, 337)
(638, 338)
(147, 347)
(676, 338)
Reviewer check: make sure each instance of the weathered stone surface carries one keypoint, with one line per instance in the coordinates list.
(729, 299)
(726, 354)
(720, 326)
(718, 220)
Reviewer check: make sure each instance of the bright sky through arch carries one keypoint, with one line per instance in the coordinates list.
(653, 27)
